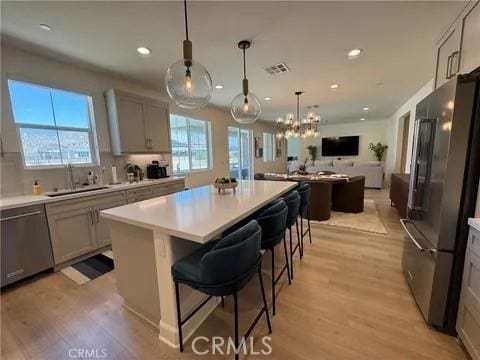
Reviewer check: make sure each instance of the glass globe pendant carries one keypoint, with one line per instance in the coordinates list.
(245, 107)
(188, 82)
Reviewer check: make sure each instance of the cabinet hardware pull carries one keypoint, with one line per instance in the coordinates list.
(91, 217)
(453, 70)
(21, 216)
(97, 215)
(447, 75)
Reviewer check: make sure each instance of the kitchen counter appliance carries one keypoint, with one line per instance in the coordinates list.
(155, 170)
(445, 171)
(26, 248)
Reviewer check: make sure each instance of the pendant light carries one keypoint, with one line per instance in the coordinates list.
(245, 107)
(188, 82)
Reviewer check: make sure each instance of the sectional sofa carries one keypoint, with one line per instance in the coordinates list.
(372, 170)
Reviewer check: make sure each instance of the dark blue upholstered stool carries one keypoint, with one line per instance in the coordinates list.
(304, 191)
(273, 221)
(292, 200)
(220, 268)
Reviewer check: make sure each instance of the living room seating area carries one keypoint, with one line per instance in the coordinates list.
(373, 171)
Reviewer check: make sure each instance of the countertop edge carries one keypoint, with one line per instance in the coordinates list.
(43, 199)
(189, 236)
(474, 223)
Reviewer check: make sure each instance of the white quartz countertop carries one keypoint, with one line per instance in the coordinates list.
(9, 202)
(475, 223)
(201, 213)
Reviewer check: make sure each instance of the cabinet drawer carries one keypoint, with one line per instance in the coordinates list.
(84, 202)
(468, 320)
(139, 194)
(164, 189)
(474, 241)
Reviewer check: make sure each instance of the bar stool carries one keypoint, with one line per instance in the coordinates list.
(221, 268)
(273, 221)
(292, 200)
(305, 190)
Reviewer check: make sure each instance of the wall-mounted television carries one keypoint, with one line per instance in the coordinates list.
(340, 146)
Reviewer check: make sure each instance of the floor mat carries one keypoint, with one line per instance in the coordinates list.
(91, 268)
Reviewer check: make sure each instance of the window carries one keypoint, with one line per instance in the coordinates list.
(268, 147)
(190, 144)
(54, 126)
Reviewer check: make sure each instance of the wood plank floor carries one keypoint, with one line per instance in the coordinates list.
(348, 301)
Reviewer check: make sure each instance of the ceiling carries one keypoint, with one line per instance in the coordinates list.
(313, 38)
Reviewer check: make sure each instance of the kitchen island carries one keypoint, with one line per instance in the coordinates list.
(149, 236)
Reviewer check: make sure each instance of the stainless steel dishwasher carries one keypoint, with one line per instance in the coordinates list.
(26, 248)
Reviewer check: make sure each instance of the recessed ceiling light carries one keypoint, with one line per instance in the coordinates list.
(354, 53)
(218, 86)
(366, 108)
(144, 50)
(267, 99)
(45, 27)
(362, 119)
(334, 86)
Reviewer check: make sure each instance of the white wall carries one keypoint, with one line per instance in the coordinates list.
(393, 155)
(369, 131)
(45, 70)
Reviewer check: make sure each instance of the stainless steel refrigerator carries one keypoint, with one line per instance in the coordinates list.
(444, 179)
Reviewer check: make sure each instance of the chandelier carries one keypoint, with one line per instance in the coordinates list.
(293, 126)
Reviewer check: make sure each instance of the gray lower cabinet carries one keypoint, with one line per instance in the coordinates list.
(468, 318)
(102, 232)
(72, 234)
(76, 227)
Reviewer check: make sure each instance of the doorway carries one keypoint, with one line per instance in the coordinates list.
(402, 143)
(240, 153)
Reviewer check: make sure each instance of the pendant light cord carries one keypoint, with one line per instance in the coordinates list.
(298, 107)
(186, 17)
(244, 65)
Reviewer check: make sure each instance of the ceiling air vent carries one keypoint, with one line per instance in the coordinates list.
(277, 69)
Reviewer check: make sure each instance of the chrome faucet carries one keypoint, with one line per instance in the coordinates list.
(70, 179)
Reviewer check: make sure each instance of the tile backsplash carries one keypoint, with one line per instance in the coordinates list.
(16, 180)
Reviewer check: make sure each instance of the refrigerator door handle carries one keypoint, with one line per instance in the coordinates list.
(420, 247)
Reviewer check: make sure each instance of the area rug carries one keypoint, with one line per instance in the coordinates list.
(368, 220)
(91, 268)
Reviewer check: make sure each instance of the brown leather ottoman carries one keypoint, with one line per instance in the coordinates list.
(320, 200)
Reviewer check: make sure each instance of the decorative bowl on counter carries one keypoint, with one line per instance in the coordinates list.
(223, 184)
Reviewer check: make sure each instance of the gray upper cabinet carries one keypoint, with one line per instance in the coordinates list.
(447, 57)
(470, 49)
(458, 50)
(137, 124)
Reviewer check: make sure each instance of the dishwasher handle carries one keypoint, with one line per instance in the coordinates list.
(420, 247)
(21, 216)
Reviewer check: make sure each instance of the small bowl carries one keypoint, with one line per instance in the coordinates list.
(224, 186)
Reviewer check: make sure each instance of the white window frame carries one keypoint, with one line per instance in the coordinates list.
(272, 137)
(208, 143)
(250, 140)
(92, 133)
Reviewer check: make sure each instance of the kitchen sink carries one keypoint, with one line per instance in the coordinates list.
(76, 191)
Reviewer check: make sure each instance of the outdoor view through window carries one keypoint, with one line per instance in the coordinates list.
(54, 125)
(190, 144)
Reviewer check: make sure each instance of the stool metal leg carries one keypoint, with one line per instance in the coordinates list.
(235, 307)
(309, 229)
(179, 317)
(223, 301)
(286, 259)
(291, 252)
(301, 237)
(265, 306)
(300, 250)
(273, 281)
